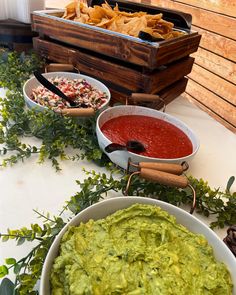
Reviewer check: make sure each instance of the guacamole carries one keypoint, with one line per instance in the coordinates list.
(138, 250)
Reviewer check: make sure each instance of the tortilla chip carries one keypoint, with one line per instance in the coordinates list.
(129, 23)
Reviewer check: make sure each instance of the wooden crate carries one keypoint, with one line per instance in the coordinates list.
(16, 35)
(125, 64)
(119, 46)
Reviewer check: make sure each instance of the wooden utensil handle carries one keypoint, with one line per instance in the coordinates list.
(164, 177)
(145, 97)
(76, 112)
(165, 167)
(54, 67)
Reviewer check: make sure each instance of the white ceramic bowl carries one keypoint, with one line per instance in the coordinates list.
(33, 83)
(109, 206)
(121, 157)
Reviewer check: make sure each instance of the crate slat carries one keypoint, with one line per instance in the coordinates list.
(167, 95)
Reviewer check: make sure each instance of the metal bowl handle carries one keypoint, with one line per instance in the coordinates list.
(164, 178)
(146, 98)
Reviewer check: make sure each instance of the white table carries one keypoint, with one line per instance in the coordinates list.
(28, 185)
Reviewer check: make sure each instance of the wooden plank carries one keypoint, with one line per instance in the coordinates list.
(170, 51)
(227, 7)
(99, 41)
(91, 65)
(210, 112)
(212, 102)
(214, 83)
(218, 44)
(216, 64)
(15, 30)
(171, 92)
(214, 22)
(172, 73)
(108, 71)
(16, 35)
(168, 94)
(118, 97)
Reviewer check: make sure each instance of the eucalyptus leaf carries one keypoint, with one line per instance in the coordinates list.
(10, 261)
(17, 268)
(3, 271)
(7, 287)
(230, 183)
(20, 241)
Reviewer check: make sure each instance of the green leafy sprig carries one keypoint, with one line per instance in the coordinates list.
(28, 269)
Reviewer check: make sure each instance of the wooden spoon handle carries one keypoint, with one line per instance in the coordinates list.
(164, 177)
(165, 167)
(54, 67)
(145, 97)
(76, 112)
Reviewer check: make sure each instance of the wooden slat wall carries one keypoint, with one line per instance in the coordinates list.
(212, 82)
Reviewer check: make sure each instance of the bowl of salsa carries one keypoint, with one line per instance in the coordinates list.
(165, 138)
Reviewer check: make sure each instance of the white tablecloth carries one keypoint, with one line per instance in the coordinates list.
(28, 185)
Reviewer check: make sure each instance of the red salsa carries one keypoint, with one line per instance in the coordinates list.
(160, 138)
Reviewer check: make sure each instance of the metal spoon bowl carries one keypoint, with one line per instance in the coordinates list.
(131, 145)
(50, 86)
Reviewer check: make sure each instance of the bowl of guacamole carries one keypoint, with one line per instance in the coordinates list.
(135, 245)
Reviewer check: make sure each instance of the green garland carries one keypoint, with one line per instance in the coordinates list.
(56, 134)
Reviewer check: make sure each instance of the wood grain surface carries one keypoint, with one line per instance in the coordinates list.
(212, 84)
(133, 79)
(167, 94)
(212, 101)
(216, 64)
(217, 44)
(211, 21)
(227, 7)
(210, 112)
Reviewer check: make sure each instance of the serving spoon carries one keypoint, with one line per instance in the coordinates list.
(131, 145)
(50, 86)
(72, 111)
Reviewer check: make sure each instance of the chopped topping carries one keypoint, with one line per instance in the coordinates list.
(78, 90)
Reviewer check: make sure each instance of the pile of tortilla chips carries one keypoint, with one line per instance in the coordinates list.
(120, 21)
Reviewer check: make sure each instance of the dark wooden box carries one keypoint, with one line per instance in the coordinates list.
(125, 64)
(16, 35)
